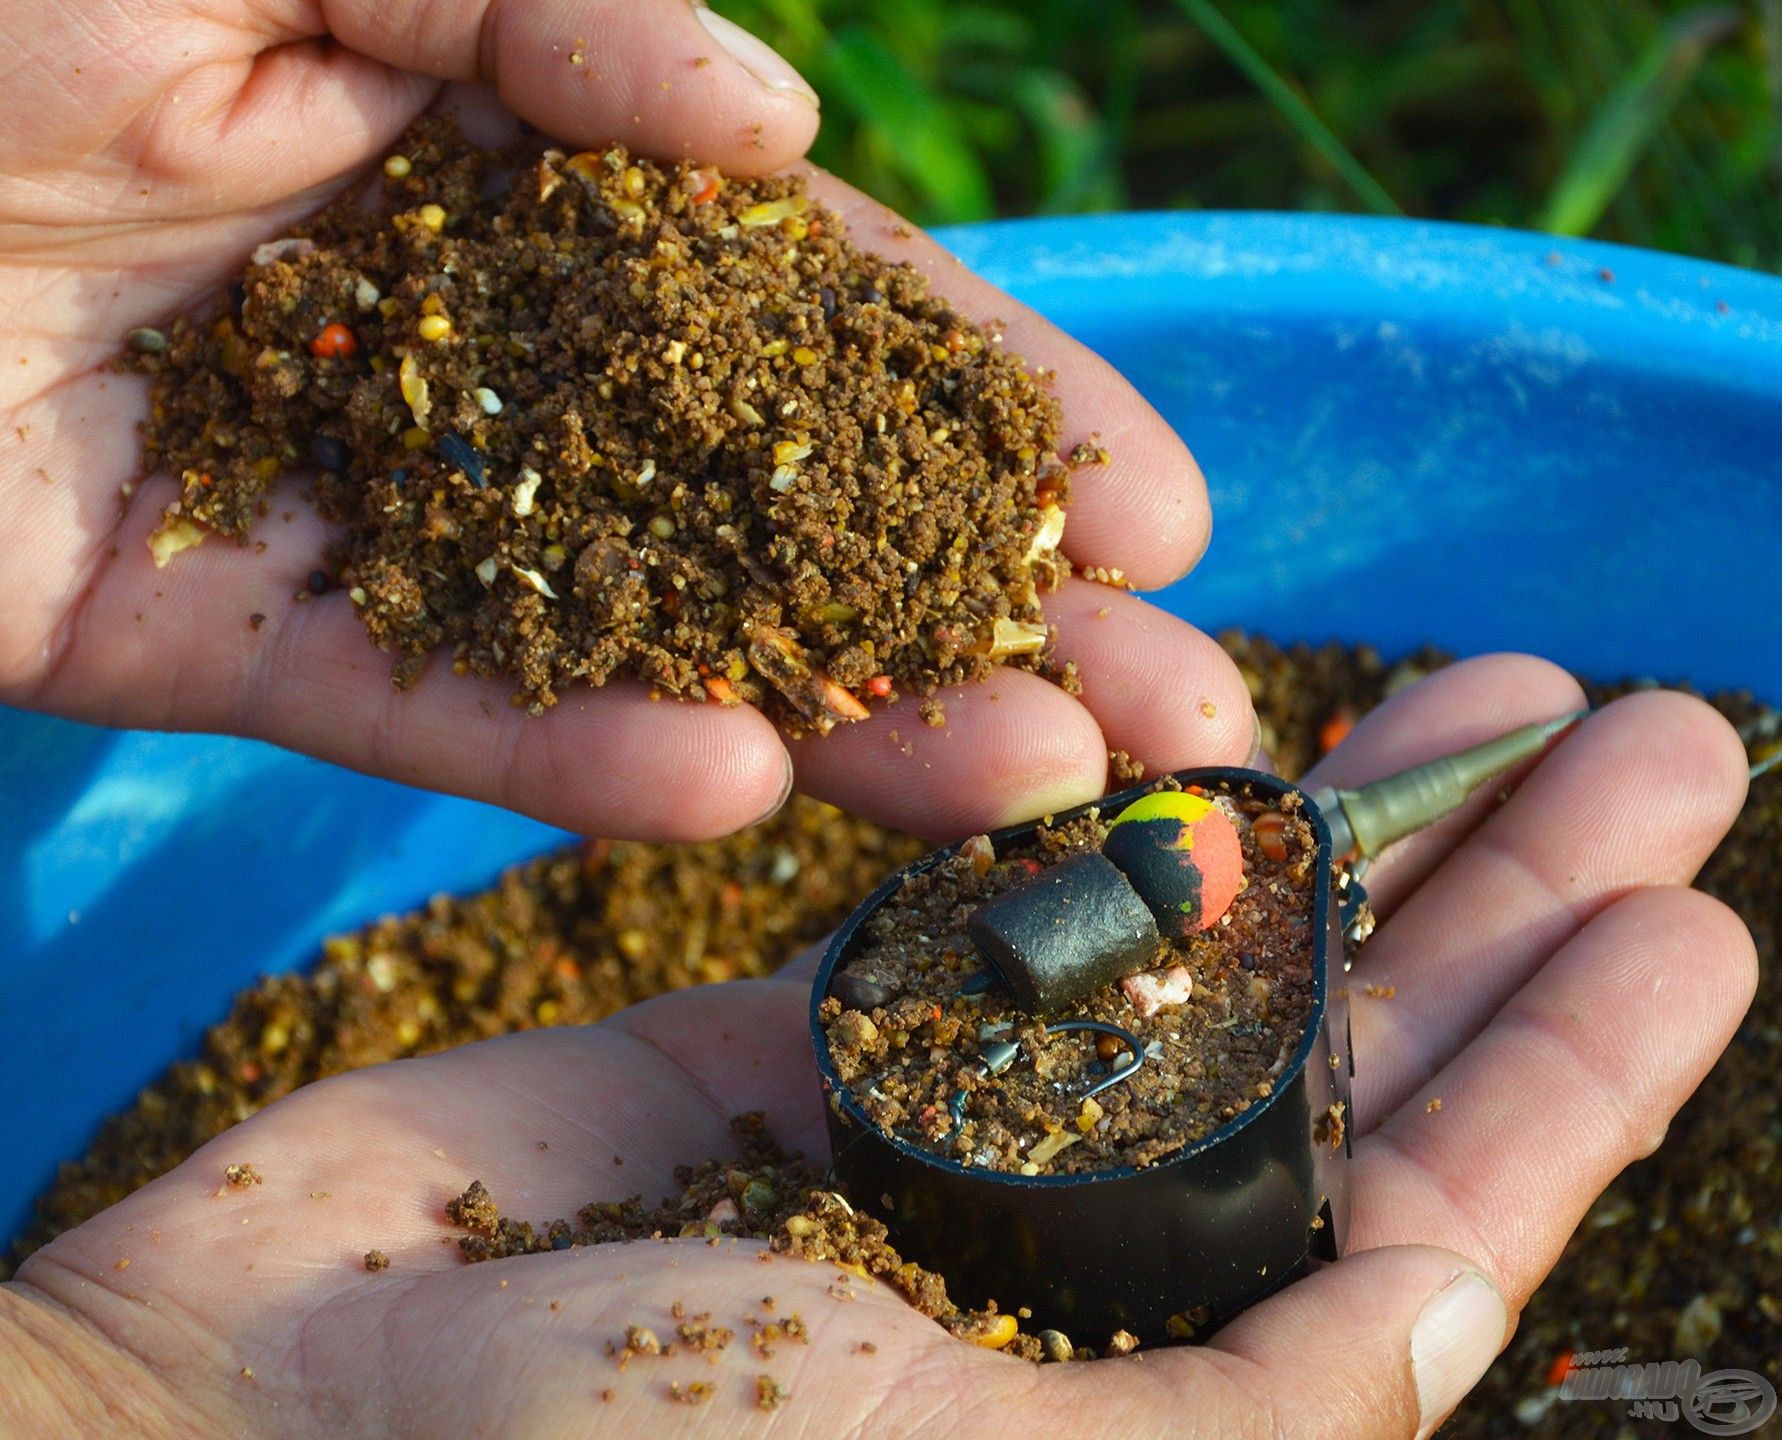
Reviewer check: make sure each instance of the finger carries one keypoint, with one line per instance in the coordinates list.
(1575, 1079)
(1013, 747)
(1639, 795)
(1152, 685)
(1382, 1343)
(177, 648)
(1462, 705)
(1160, 690)
(1144, 513)
(664, 77)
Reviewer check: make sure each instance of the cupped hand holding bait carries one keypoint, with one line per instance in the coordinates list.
(1552, 984)
(144, 150)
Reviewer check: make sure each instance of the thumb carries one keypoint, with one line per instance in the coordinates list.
(666, 77)
(1386, 1342)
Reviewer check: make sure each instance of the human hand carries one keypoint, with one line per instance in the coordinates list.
(1556, 989)
(145, 149)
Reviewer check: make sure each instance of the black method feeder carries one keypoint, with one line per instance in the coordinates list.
(1176, 1248)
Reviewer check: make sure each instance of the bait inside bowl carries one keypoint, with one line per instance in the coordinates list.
(1172, 1250)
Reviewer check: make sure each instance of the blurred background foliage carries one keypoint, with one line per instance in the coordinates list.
(1635, 120)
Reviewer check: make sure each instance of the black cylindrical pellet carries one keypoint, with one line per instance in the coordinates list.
(856, 992)
(1068, 931)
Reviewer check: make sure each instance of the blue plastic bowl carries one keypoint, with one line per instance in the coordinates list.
(1412, 432)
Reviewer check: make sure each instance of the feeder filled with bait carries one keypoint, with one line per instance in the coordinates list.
(1176, 1244)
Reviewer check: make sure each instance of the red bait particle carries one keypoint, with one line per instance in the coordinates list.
(1270, 830)
(336, 342)
(879, 685)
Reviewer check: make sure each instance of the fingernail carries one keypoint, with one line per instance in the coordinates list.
(755, 55)
(785, 794)
(1453, 1343)
(1256, 758)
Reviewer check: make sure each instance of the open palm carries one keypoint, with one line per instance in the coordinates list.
(145, 149)
(1554, 987)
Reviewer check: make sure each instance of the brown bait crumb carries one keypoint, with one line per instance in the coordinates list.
(700, 1335)
(696, 1393)
(639, 1340)
(589, 416)
(1433, 1106)
(474, 1209)
(376, 1260)
(769, 1393)
(1123, 770)
(239, 1177)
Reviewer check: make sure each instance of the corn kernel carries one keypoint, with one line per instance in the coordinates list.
(804, 355)
(585, 163)
(434, 327)
(414, 389)
(397, 167)
(433, 217)
(771, 212)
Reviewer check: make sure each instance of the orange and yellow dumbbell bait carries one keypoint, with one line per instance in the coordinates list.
(1182, 854)
(1171, 865)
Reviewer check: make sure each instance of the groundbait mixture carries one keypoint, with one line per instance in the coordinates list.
(586, 416)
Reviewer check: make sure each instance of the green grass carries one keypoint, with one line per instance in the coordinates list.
(1634, 120)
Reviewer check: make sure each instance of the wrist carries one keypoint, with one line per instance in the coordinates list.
(60, 1377)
